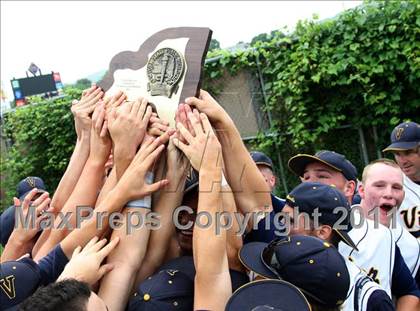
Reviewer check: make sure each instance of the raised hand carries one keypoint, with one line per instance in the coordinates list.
(41, 205)
(128, 124)
(177, 165)
(83, 108)
(205, 103)
(157, 126)
(181, 116)
(85, 264)
(132, 184)
(202, 147)
(100, 141)
(114, 101)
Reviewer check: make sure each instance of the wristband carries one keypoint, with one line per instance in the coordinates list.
(145, 202)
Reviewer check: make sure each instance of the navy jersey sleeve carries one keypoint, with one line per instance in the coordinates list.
(379, 301)
(277, 203)
(52, 265)
(402, 280)
(268, 229)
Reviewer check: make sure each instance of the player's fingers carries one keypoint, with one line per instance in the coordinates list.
(206, 123)
(105, 269)
(108, 248)
(91, 242)
(185, 133)
(195, 121)
(76, 251)
(156, 186)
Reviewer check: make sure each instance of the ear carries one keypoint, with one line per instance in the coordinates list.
(349, 188)
(324, 232)
(272, 181)
(16, 201)
(362, 191)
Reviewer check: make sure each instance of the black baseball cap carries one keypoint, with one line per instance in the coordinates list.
(309, 196)
(27, 184)
(336, 161)
(314, 266)
(405, 136)
(268, 295)
(165, 290)
(261, 159)
(20, 279)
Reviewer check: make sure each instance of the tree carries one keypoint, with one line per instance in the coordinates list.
(214, 45)
(82, 84)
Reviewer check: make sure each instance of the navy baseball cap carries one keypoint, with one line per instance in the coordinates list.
(261, 159)
(165, 290)
(336, 161)
(20, 279)
(314, 266)
(185, 264)
(405, 136)
(7, 218)
(27, 184)
(309, 196)
(268, 295)
(7, 224)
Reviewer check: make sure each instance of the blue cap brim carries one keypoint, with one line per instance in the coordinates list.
(401, 146)
(250, 256)
(298, 163)
(274, 294)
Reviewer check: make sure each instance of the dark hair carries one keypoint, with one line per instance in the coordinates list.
(67, 295)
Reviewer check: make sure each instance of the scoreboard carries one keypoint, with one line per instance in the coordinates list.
(49, 84)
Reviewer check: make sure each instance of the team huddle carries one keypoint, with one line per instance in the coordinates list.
(149, 217)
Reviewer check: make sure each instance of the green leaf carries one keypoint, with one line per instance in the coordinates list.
(392, 28)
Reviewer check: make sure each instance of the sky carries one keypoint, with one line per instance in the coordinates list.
(79, 38)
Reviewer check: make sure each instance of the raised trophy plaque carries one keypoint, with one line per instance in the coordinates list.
(166, 69)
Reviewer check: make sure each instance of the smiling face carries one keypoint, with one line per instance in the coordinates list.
(409, 162)
(382, 188)
(319, 172)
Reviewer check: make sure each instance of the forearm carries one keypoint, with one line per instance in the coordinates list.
(126, 258)
(110, 183)
(15, 248)
(160, 239)
(233, 238)
(72, 173)
(84, 194)
(209, 256)
(95, 225)
(408, 303)
(250, 190)
(122, 159)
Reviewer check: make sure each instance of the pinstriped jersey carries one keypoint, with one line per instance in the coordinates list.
(376, 250)
(410, 207)
(409, 247)
(361, 288)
